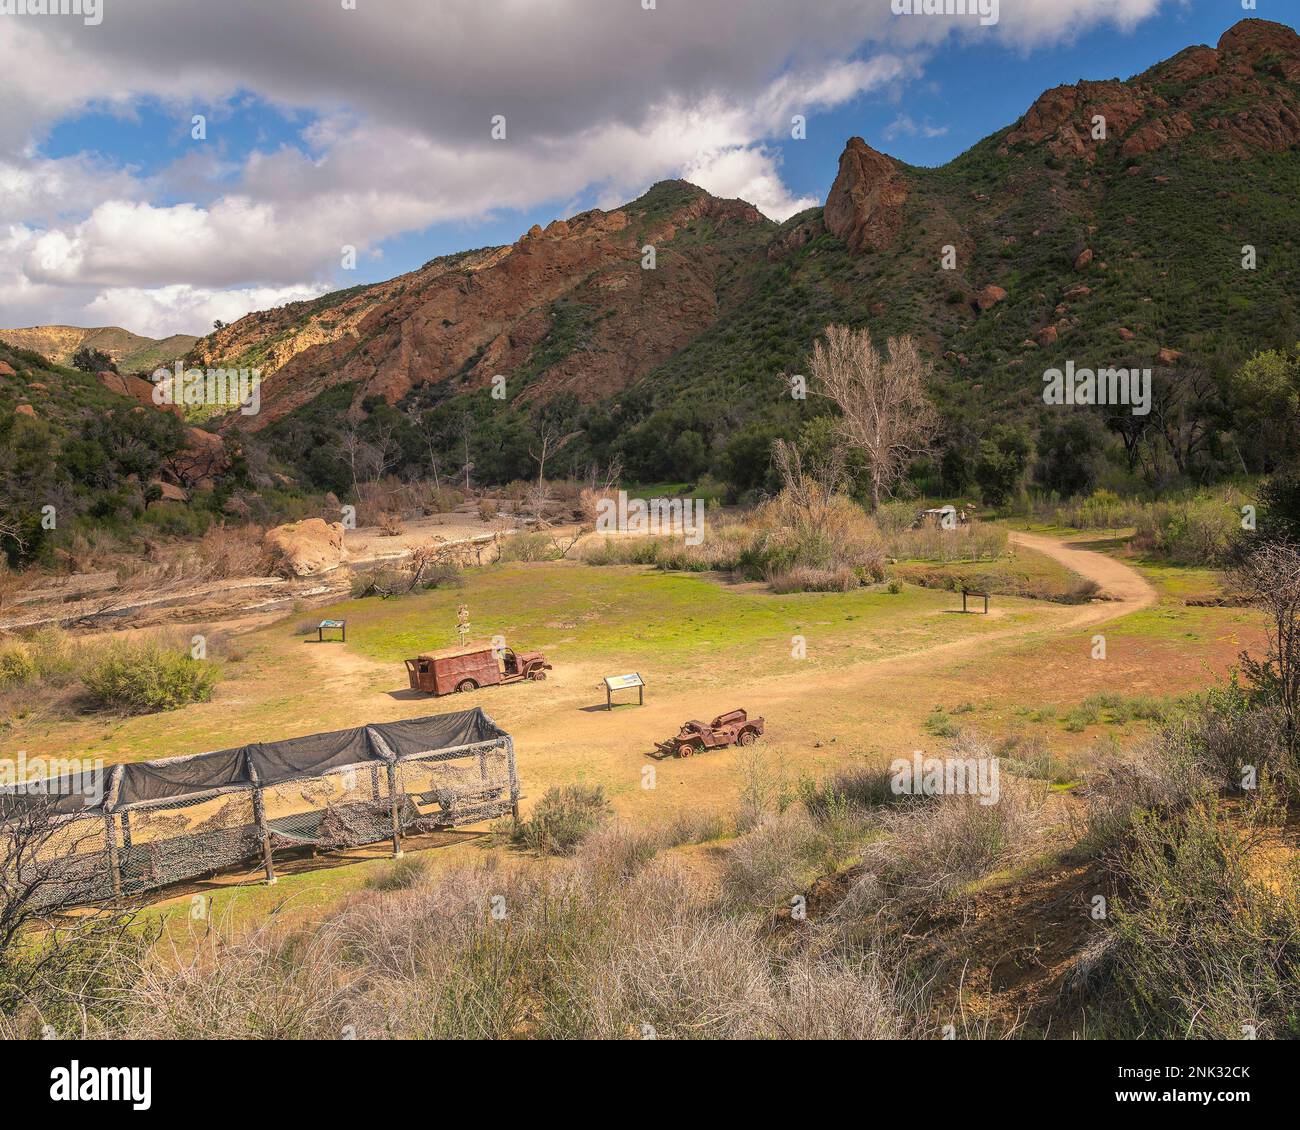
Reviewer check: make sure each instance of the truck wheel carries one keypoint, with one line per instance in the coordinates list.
(686, 749)
(747, 737)
(537, 676)
(466, 685)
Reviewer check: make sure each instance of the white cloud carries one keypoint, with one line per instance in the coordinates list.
(749, 174)
(161, 311)
(599, 96)
(905, 126)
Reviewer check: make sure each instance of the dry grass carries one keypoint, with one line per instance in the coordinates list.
(936, 849)
(578, 949)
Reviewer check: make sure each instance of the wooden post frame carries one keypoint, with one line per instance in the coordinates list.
(514, 779)
(259, 815)
(110, 832)
(390, 760)
(614, 683)
(397, 820)
(974, 592)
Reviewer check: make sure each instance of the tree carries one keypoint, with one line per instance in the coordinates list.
(547, 436)
(90, 360)
(43, 877)
(1264, 394)
(1279, 508)
(466, 429)
(1068, 451)
(884, 411)
(1270, 577)
(1003, 457)
(1184, 407)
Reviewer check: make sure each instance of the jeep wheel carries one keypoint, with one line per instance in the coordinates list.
(685, 749)
(466, 685)
(747, 737)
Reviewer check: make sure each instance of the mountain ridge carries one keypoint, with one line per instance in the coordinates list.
(131, 352)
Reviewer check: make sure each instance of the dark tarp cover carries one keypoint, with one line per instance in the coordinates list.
(308, 755)
(162, 779)
(275, 761)
(444, 731)
(64, 795)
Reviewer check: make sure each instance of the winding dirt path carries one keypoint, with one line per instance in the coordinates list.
(867, 697)
(1127, 590)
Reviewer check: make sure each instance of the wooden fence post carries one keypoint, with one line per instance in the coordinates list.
(514, 779)
(397, 821)
(110, 832)
(259, 815)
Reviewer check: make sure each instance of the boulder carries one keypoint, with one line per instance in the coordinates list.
(1168, 356)
(1084, 259)
(138, 389)
(1047, 336)
(306, 548)
(7, 370)
(170, 491)
(989, 297)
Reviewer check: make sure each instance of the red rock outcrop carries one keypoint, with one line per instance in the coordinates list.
(865, 205)
(1247, 56)
(464, 319)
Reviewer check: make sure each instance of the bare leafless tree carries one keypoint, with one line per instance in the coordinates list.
(808, 486)
(1270, 577)
(546, 437)
(884, 410)
(51, 863)
(466, 428)
(356, 452)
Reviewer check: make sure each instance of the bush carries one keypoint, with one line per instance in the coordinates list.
(1204, 945)
(146, 676)
(444, 575)
(805, 578)
(859, 785)
(935, 850)
(1199, 532)
(1161, 777)
(529, 547)
(563, 818)
(620, 551)
(974, 541)
(228, 551)
(17, 666)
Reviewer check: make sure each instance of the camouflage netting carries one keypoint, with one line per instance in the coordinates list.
(150, 824)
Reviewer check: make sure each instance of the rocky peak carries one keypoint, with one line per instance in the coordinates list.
(1142, 121)
(1254, 40)
(865, 205)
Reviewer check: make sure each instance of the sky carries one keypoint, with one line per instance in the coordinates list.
(369, 124)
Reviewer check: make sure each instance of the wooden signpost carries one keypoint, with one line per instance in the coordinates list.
(623, 683)
(974, 592)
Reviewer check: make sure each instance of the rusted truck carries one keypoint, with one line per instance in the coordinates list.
(734, 727)
(473, 665)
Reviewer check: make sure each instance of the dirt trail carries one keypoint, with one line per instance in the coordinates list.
(561, 715)
(1127, 589)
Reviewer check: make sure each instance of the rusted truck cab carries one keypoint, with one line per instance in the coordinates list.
(733, 727)
(473, 665)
